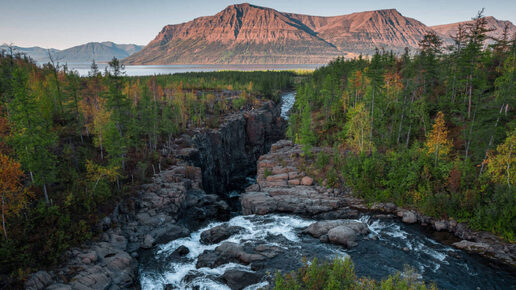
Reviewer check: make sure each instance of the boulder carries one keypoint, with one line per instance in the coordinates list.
(472, 246)
(268, 251)
(408, 217)
(38, 280)
(343, 213)
(169, 232)
(257, 203)
(219, 233)
(321, 228)
(181, 251)
(239, 279)
(294, 182)
(227, 252)
(440, 225)
(342, 235)
(307, 181)
(148, 242)
(277, 177)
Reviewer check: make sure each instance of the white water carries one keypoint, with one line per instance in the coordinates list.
(287, 102)
(381, 253)
(258, 229)
(389, 247)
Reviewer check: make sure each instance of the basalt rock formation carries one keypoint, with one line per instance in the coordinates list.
(177, 200)
(228, 155)
(283, 188)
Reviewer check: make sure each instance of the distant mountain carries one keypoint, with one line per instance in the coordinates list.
(100, 51)
(37, 53)
(494, 24)
(246, 33)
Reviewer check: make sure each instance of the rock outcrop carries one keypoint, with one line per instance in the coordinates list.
(179, 193)
(228, 155)
(249, 34)
(217, 234)
(282, 188)
(343, 232)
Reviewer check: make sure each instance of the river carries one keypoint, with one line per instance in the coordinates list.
(390, 247)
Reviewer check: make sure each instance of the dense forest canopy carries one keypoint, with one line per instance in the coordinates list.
(72, 146)
(435, 131)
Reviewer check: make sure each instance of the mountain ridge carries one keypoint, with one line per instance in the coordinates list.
(98, 51)
(497, 25)
(250, 34)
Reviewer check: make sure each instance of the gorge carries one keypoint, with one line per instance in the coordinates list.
(175, 235)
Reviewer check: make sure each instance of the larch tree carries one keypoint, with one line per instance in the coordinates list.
(501, 165)
(437, 142)
(14, 197)
(358, 130)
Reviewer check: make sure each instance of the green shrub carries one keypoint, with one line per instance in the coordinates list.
(340, 274)
(267, 172)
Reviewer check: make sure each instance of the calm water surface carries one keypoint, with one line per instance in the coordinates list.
(146, 70)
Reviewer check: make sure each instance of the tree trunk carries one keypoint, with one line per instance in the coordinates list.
(47, 201)
(3, 215)
(372, 116)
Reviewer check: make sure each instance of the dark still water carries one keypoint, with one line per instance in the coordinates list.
(147, 70)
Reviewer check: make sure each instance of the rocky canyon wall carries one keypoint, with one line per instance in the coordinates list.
(229, 154)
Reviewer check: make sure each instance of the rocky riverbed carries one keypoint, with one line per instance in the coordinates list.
(183, 197)
(282, 188)
(182, 231)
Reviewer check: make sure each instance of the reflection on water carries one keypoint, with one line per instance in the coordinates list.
(146, 70)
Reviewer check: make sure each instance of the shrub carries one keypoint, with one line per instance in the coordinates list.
(267, 172)
(340, 274)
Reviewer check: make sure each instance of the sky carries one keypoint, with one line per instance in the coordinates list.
(65, 23)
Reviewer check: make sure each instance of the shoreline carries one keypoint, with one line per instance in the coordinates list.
(280, 185)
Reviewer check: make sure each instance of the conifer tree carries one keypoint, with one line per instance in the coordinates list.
(31, 135)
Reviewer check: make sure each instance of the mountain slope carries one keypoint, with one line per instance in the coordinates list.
(238, 34)
(365, 31)
(492, 23)
(246, 33)
(37, 53)
(100, 51)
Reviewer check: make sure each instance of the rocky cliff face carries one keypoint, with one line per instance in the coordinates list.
(251, 34)
(228, 155)
(178, 199)
(283, 188)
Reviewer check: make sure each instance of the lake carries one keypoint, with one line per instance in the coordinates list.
(146, 70)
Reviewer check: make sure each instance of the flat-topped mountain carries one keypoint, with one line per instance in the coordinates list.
(85, 53)
(251, 34)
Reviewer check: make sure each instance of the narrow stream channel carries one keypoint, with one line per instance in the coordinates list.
(389, 248)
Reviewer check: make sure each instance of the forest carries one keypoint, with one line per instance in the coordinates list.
(433, 130)
(72, 146)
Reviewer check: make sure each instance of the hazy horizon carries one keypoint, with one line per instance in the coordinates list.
(64, 24)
